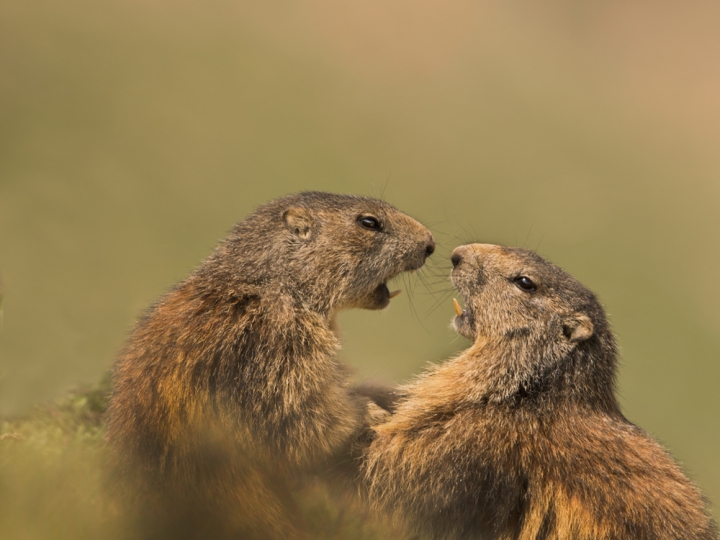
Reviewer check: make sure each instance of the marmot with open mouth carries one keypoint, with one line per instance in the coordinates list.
(521, 436)
(230, 384)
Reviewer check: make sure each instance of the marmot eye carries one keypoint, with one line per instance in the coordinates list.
(369, 222)
(525, 283)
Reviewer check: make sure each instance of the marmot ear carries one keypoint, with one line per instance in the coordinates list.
(299, 222)
(578, 327)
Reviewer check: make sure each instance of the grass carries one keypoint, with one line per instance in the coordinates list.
(50, 470)
(51, 479)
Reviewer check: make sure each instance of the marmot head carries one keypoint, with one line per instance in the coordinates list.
(328, 251)
(550, 328)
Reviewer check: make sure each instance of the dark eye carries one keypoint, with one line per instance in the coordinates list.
(525, 283)
(369, 222)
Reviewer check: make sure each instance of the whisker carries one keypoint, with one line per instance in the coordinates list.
(529, 232)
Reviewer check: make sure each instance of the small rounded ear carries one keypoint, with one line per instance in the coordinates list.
(299, 222)
(578, 327)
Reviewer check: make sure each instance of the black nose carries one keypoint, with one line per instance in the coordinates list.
(429, 249)
(455, 259)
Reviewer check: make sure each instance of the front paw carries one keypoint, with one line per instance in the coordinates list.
(375, 415)
(383, 395)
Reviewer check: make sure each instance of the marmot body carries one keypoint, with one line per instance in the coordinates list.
(230, 385)
(521, 436)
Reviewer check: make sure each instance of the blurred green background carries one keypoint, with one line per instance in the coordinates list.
(134, 134)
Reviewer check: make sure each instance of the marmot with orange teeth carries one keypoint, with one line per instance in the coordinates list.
(230, 385)
(521, 436)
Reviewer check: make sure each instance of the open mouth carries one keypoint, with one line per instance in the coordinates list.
(463, 321)
(378, 298)
(459, 310)
(463, 316)
(382, 292)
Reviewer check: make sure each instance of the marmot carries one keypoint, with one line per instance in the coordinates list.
(230, 384)
(521, 436)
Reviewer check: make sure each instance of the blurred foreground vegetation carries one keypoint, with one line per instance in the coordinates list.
(52, 484)
(51, 479)
(50, 471)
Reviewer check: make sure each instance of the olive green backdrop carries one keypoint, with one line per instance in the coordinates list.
(134, 133)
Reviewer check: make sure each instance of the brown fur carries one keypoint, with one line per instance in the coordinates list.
(381, 394)
(521, 436)
(229, 386)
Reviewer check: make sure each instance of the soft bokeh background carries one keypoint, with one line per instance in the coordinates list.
(134, 133)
